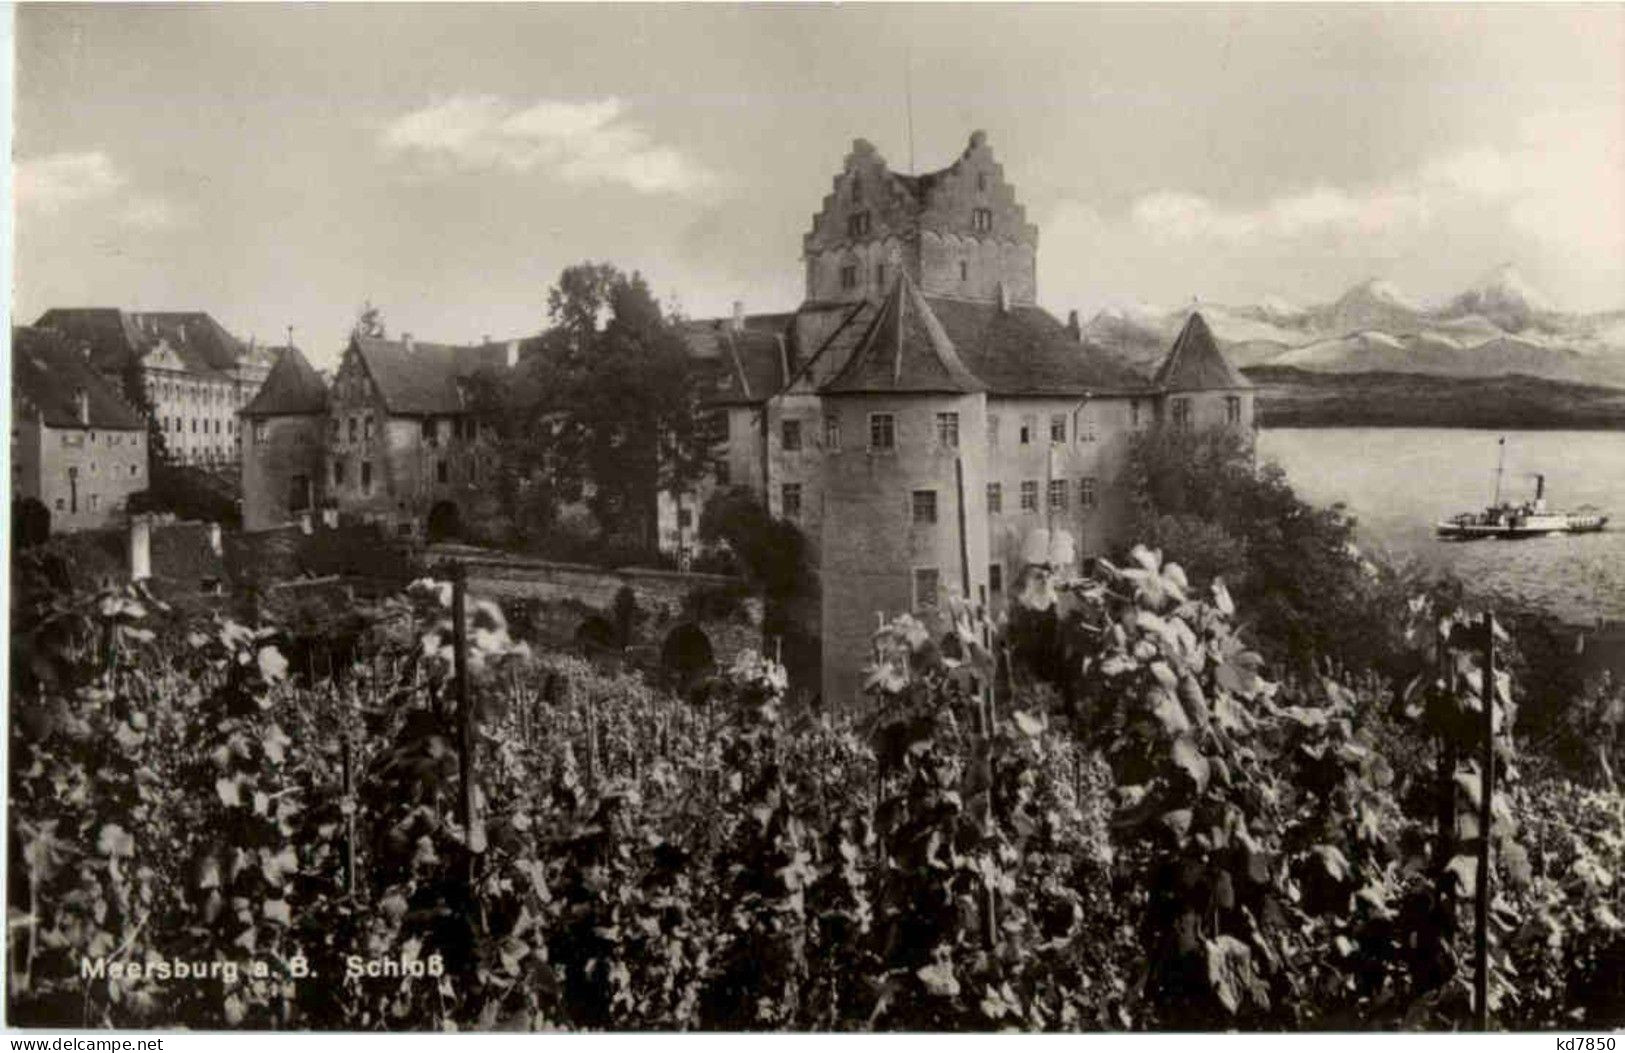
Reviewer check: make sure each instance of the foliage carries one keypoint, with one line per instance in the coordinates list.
(773, 552)
(369, 321)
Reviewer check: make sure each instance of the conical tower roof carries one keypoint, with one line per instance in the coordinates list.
(292, 388)
(1195, 362)
(904, 350)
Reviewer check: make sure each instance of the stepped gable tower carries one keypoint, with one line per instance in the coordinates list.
(957, 232)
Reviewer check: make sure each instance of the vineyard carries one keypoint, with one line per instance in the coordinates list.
(210, 830)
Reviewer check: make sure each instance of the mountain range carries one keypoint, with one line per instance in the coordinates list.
(1501, 325)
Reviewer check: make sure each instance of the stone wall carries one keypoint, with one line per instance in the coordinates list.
(84, 476)
(566, 595)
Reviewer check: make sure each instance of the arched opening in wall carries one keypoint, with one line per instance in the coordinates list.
(30, 522)
(595, 634)
(444, 522)
(687, 652)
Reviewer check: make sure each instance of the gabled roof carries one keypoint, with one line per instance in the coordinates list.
(905, 349)
(47, 372)
(1022, 349)
(293, 387)
(751, 367)
(1195, 363)
(117, 338)
(422, 380)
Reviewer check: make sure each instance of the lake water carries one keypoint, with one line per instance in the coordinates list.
(1398, 482)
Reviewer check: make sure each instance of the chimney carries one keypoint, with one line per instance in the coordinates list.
(1073, 329)
(140, 547)
(406, 342)
(81, 405)
(214, 538)
(739, 316)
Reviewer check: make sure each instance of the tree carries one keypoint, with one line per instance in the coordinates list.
(369, 321)
(606, 406)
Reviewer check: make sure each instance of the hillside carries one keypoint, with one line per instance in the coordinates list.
(1297, 398)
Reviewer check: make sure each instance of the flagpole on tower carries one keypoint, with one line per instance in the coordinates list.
(908, 102)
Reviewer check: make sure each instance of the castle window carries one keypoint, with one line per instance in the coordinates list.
(790, 500)
(1086, 491)
(1029, 495)
(722, 473)
(366, 427)
(981, 180)
(923, 506)
(333, 427)
(1057, 495)
(948, 429)
(880, 275)
(964, 271)
(353, 426)
(366, 477)
(440, 471)
(857, 188)
(995, 498)
(995, 578)
(1182, 414)
(992, 430)
(1232, 409)
(832, 433)
(1134, 413)
(1057, 428)
(338, 473)
(849, 277)
(982, 220)
(429, 433)
(259, 431)
(1086, 431)
(857, 225)
(1026, 431)
(132, 469)
(882, 431)
(792, 435)
(927, 583)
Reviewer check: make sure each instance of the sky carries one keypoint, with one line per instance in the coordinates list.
(278, 165)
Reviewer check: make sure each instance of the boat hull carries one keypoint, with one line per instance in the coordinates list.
(1533, 526)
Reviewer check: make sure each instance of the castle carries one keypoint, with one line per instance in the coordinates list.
(920, 418)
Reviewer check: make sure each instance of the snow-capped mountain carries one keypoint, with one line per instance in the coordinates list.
(1501, 325)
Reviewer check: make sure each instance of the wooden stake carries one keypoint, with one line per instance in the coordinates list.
(466, 721)
(1486, 797)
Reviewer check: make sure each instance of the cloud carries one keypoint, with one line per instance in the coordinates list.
(60, 183)
(582, 143)
(56, 182)
(1560, 185)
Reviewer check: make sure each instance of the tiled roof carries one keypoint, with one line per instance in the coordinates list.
(1195, 363)
(905, 349)
(47, 371)
(1024, 350)
(292, 387)
(116, 337)
(423, 380)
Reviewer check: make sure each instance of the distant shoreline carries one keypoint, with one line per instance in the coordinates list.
(1296, 398)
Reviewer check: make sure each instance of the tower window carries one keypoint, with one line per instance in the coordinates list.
(995, 578)
(790, 500)
(948, 429)
(440, 471)
(1029, 495)
(791, 433)
(857, 225)
(849, 277)
(1086, 491)
(992, 430)
(857, 188)
(880, 275)
(1182, 414)
(923, 506)
(981, 180)
(882, 431)
(366, 476)
(995, 498)
(982, 220)
(1134, 413)
(926, 585)
(832, 433)
(1057, 428)
(1232, 409)
(964, 271)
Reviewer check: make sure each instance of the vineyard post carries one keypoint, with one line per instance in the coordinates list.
(1486, 797)
(465, 711)
(349, 814)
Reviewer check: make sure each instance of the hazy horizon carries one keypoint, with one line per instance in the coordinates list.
(276, 165)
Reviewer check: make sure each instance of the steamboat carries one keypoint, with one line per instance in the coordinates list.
(1504, 520)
